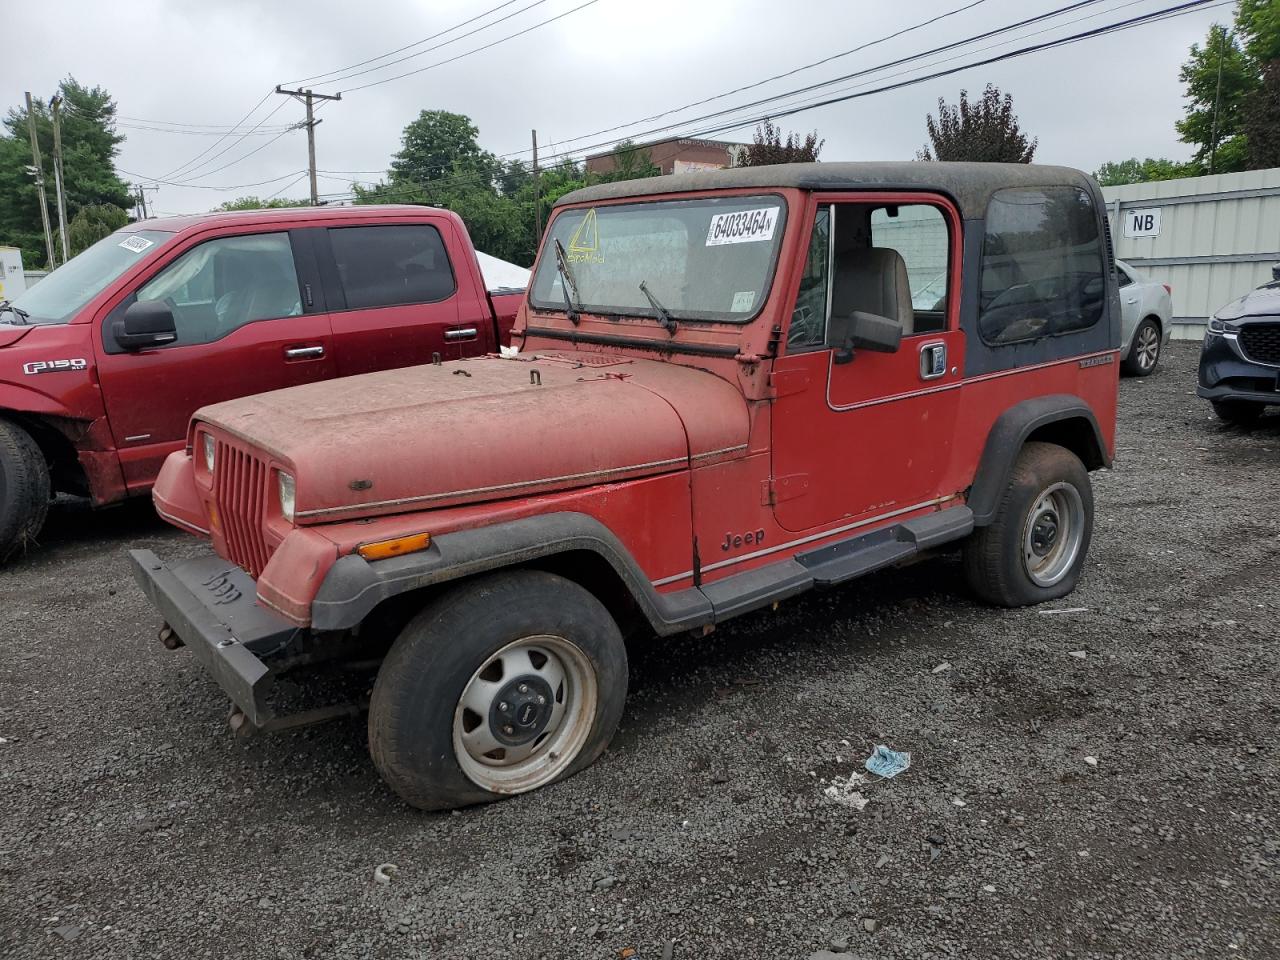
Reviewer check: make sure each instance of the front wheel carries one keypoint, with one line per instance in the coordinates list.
(1035, 547)
(506, 684)
(1144, 352)
(24, 490)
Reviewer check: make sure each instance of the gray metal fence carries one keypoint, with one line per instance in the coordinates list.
(1212, 239)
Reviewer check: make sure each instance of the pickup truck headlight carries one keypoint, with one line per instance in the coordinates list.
(208, 444)
(1221, 326)
(287, 489)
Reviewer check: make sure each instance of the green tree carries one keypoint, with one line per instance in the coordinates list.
(985, 131)
(1258, 21)
(93, 222)
(89, 147)
(1219, 79)
(440, 144)
(768, 147)
(1262, 120)
(256, 203)
(632, 162)
(1133, 170)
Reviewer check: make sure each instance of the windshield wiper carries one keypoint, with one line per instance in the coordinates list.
(664, 315)
(22, 315)
(566, 280)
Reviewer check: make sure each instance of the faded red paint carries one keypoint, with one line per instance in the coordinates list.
(719, 463)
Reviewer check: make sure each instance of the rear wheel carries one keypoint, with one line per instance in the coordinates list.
(1035, 548)
(1241, 412)
(504, 685)
(24, 490)
(1144, 352)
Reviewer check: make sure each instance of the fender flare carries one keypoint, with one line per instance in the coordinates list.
(354, 586)
(1013, 428)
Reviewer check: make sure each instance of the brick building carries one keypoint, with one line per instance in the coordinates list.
(677, 155)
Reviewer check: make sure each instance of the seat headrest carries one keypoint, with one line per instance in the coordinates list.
(873, 280)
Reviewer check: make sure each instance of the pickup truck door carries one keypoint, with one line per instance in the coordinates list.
(247, 322)
(868, 437)
(399, 293)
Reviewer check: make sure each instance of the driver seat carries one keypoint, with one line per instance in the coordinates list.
(873, 280)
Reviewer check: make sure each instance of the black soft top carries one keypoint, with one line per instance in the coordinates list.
(970, 185)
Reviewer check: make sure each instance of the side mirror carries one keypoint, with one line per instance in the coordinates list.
(1275, 271)
(147, 323)
(864, 331)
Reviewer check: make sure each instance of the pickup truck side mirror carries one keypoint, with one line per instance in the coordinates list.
(1275, 271)
(146, 323)
(864, 331)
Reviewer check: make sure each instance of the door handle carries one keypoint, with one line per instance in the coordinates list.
(933, 361)
(304, 353)
(462, 333)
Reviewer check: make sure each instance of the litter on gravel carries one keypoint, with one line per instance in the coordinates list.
(943, 667)
(848, 792)
(887, 763)
(383, 872)
(1046, 613)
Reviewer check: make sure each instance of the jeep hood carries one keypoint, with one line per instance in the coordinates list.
(485, 429)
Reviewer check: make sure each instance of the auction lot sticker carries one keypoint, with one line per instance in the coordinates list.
(744, 226)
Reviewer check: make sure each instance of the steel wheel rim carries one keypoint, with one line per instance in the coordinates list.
(1148, 347)
(1052, 533)
(505, 740)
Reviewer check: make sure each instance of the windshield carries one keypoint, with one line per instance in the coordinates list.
(59, 296)
(706, 259)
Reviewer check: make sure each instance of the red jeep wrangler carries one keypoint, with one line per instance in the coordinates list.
(104, 361)
(733, 387)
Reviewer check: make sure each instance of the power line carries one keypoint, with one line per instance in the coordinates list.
(199, 186)
(487, 46)
(408, 46)
(251, 112)
(420, 53)
(175, 123)
(288, 186)
(197, 133)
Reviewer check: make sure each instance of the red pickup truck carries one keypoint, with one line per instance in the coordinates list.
(104, 361)
(732, 387)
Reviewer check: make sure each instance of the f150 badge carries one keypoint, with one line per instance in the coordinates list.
(54, 366)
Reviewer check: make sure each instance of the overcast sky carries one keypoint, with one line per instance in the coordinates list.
(612, 62)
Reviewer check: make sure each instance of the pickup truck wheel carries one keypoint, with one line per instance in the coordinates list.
(1035, 548)
(24, 490)
(505, 684)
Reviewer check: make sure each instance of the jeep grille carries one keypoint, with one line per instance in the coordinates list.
(240, 492)
(1261, 342)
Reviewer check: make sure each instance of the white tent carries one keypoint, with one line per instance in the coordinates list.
(500, 275)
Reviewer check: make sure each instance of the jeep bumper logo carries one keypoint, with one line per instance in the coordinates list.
(54, 366)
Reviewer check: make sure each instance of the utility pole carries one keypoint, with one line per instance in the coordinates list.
(55, 105)
(38, 170)
(537, 193)
(306, 96)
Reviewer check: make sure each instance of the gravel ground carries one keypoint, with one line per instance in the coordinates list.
(1096, 782)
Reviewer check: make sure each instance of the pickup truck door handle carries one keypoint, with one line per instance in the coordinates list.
(462, 333)
(304, 353)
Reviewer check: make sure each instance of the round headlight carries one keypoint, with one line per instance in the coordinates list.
(287, 490)
(208, 444)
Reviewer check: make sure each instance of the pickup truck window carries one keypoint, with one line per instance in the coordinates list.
(1042, 265)
(390, 265)
(223, 284)
(703, 259)
(64, 292)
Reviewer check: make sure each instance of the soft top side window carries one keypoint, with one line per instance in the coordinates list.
(1043, 268)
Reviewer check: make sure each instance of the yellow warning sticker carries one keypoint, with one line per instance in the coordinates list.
(584, 242)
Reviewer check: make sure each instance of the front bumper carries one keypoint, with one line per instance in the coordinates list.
(1225, 374)
(212, 605)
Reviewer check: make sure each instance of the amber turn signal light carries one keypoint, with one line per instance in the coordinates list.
(382, 549)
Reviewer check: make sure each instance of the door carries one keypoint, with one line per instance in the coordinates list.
(1130, 302)
(859, 434)
(394, 298)
(245, 325)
